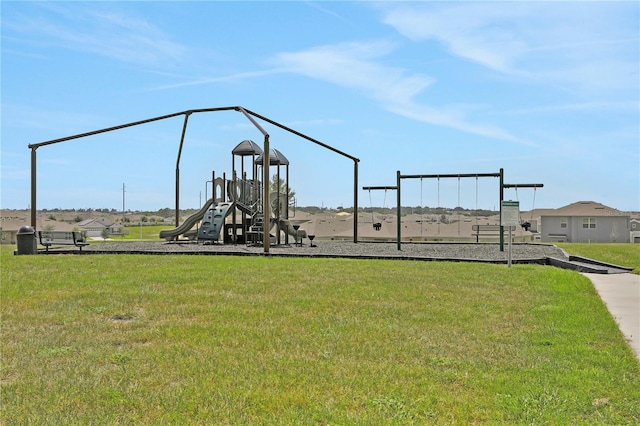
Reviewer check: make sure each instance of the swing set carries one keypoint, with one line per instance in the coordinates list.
(399, 177)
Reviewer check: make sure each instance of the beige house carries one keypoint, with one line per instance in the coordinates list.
(634, 235)
(95, 227)
(585, 222)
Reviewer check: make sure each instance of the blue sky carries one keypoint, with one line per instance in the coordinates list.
(549, 91)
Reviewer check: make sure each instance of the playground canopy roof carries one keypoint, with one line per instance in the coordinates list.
(276, 158)
(247, 147)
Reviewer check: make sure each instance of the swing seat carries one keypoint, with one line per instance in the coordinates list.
(526, 225)
(377, 226)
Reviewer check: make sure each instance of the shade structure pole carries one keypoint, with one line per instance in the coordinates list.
(184, 131)
(501, 199)
(399, 211)
(33, 187)
(355, 201)
(286, 205)
(266, 214)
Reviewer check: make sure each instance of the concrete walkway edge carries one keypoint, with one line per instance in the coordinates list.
(621, 295)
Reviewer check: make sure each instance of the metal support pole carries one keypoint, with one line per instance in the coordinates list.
(33, 187)
(266, 214)
(454, 175)
(213, 187)
(501, 199)
(123, 205)
(223, 190)
(355, 201)
(523, 185)
(286, 211)
(184, 131)
(277, 209)
(234, 236)
(510, 245)
(399, 211)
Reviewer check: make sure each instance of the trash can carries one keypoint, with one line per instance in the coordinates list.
(26, 240)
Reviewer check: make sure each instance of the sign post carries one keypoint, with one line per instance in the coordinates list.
(510, 217)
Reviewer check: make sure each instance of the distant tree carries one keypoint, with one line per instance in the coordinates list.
(166, 212)
(105, 233)
(78, 219)
(52, 217)
(279, 185)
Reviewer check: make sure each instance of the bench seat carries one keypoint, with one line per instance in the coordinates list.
(488, 231)
(49, 238)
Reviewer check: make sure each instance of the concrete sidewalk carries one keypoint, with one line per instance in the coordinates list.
(621, 294)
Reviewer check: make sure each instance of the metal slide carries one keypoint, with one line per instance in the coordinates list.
(170, 234)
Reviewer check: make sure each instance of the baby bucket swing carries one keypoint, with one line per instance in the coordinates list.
(377, 225)
(526, 224)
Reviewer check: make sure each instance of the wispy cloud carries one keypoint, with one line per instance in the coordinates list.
(632, 106)
(358, 66)
(590, 45)
(316, 122)
(49, 121)
(316, 5)
(353, 65)
(220, 79)
(462, 28)
(96, 30)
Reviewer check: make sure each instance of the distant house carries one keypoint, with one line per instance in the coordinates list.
(95, 227)
(585, 222)
(634, 235)
(9, 226)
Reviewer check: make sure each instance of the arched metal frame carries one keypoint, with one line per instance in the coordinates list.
(247, 113)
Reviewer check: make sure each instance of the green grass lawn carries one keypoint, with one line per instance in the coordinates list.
(618, 254)
(138, 233)
(121, 339)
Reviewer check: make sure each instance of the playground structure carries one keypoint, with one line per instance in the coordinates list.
(398, 188)
(241, 197)
(250, 115)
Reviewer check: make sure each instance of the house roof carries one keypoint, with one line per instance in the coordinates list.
(585, 208)
(101, 221)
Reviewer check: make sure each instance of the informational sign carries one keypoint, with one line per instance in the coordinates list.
(510, 213)
(510, 218)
